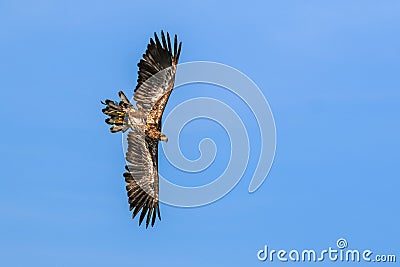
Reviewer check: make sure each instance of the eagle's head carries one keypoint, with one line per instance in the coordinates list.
(164, 138)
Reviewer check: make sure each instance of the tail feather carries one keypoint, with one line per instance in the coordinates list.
(116, 112)
(124, 99)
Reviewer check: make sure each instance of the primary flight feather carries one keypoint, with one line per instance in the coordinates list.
(155, 83)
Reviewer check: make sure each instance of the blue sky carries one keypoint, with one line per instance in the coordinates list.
(329, 69)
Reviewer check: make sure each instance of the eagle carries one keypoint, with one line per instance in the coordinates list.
(156, 77)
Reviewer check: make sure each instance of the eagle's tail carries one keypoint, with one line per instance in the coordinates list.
(116, 112)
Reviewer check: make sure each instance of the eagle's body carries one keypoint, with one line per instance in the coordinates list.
(155, 83)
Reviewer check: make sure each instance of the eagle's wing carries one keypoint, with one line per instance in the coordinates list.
(155, 83)
(156, 75)
(142, 176)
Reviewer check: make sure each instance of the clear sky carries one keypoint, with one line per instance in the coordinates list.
(329, 69)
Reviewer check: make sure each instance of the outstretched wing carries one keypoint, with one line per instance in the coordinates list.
(142, 176)
(157, 74)
(155, 83)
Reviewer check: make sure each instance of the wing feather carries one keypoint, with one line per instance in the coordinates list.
(142, 176)
(156, 74)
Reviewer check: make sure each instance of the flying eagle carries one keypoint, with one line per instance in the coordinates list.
(143, 123)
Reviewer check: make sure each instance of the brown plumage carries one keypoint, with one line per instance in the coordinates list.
(154, 86)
